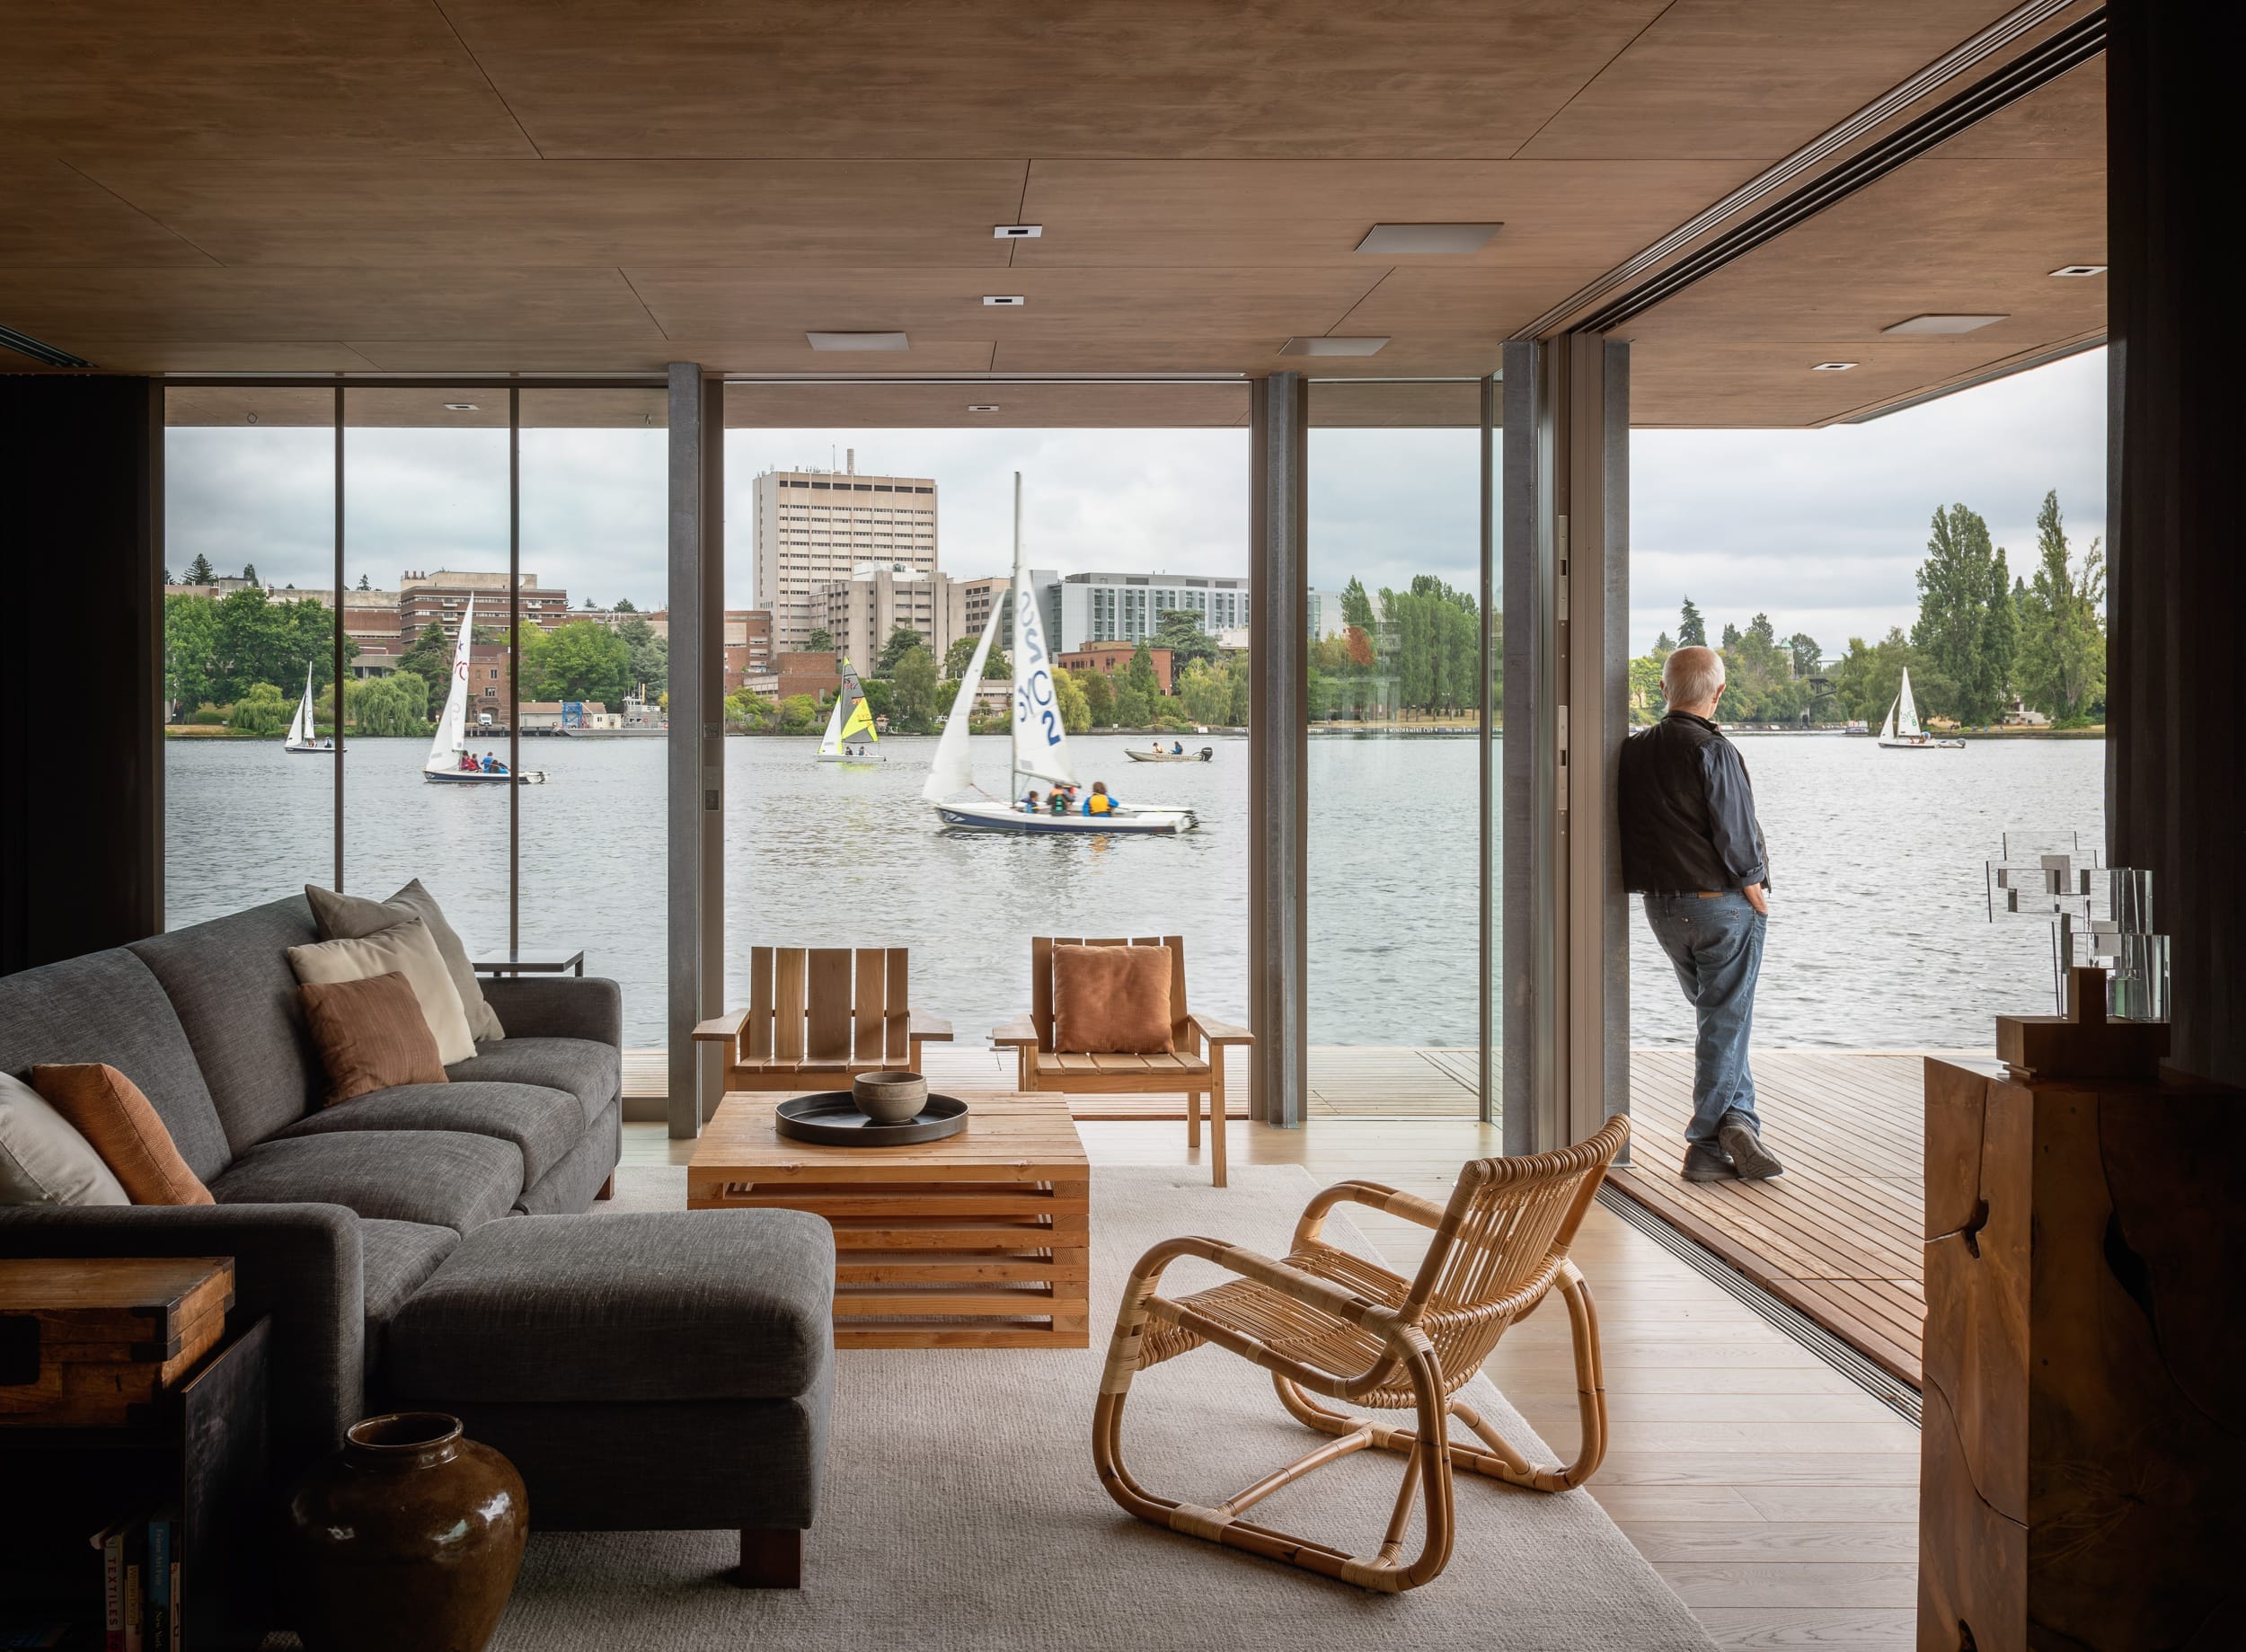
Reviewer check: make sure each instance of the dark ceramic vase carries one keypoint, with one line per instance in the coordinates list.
(408, 1537)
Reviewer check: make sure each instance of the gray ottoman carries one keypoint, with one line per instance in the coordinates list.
(661, 1371)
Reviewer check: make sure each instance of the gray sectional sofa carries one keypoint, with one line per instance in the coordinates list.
(335, 1217)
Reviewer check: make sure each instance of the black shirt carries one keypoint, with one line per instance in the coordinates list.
(1687, 811)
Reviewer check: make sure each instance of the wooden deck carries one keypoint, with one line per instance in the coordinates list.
(1777, 1497)
(1837, 1237)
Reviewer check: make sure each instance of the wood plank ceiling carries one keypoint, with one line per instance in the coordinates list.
(588, 186)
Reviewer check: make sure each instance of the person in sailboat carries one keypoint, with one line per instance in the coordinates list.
(468, 763)
(1029, 801)
(492, 766)
(1693, 847)
(1099, 802)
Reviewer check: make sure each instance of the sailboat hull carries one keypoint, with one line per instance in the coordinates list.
(528, 777)
(1927, 744)
(997, 817)
(309, 751)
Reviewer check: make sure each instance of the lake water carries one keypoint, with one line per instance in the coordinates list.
(1878, 935)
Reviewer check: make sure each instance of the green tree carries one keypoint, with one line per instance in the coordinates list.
(1099, 699)
(820, 641)
(394, 704)
(363, 584)
(902, 640)
(1139, 675)
(191, 648)
(262, 709)
(962, 651)
(1868, 678)
(430, 659)
(2061, 663)
(650, 654)
(799, 714)
(624, 605)
(881, 697)
(913, 685)
(249, 572)
(1663, 646)
(1692, 631)
(1180, 630)
(200, 572)
(748, 710)
(581, 660)
(1647, 699)
(1959, 638)
(1069, 696)
(1806, 654)
(1205, 691)
(1356, 607)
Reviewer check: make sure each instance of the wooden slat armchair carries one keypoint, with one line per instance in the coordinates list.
(1325, 1322)
(1196, 1063)
(809, 1025)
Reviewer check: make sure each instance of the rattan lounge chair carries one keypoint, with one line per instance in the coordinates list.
(1326, 1322)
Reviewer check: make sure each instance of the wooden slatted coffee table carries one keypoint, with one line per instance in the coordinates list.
(980, 1240)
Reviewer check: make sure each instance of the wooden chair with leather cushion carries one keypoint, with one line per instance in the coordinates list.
(1194, 1063)
(819, 1016)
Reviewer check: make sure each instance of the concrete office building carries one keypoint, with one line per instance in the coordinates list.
(859, 612)
(975, 598)
(813, 528)
(1102, 607)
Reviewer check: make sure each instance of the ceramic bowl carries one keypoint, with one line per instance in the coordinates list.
(890, 1097)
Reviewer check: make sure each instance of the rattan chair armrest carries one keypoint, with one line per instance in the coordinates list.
(1022, 1029)
(1325, 1295)
(928, 1029)
(1372, 1194)
(1220, 1032)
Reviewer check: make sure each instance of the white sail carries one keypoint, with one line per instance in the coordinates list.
(300, 725)
(1907, 724)
(1886, 729)
(953, 771)
(444, 751)
(1041, 744)
(830, 743)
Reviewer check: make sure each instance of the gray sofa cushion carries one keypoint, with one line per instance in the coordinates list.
(107, 1006)
(398, 1256)
(570, 1186)
(658, 1305)
(544, 1124)
(558, 1007)
(230, 982)
(448, 1177)
(592, 1073)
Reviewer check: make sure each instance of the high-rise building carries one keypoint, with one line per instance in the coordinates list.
(860, 610)
(1125, 607)
(815, 528)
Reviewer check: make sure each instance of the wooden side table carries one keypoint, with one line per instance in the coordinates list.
(980, 1240)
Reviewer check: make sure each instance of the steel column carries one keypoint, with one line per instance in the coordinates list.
(1489, 1008)
(1279, 751)
(696, 817)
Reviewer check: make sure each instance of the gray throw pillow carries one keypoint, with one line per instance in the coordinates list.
(43, 1159)
(353, 917)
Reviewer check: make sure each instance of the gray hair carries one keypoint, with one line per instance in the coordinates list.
(1692, 675)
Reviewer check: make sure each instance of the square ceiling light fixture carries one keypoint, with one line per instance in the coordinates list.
(1832, 367)
(1427, 237)
(1945, 324)
(2080, 269)
(1016, 231)
(462, 407)
(982, 406)
(1005, 301)
(1333, 347)
(858, 340)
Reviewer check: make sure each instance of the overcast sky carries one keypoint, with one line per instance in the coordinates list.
(1822, 529)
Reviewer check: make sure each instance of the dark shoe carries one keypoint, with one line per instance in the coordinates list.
(1706, 1164)
(1750, 1159)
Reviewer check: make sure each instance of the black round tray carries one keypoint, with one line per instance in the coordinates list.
(832, 1120)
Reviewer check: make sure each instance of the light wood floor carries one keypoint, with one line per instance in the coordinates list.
(1777, 1498)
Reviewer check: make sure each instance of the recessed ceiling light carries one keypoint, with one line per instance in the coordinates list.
(462, 407)
(858, 340)
(1832, 366)
(982, 406)
(1016, 231)
(2080, 269)
(1945, 324)
(1005, 299)
(1333, 347)
(1427, 237)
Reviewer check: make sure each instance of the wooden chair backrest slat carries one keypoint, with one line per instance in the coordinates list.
(759, 1046)
(827, 1005)
(1041, 983)
(897, 1016)
(787, 1003)
(870, 1006)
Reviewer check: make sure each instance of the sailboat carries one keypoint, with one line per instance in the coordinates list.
(850, 733)
(445, 751)
(301, 740)
(1902, 729)
(1041, 744)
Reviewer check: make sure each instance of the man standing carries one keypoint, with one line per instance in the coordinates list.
(1691, 845)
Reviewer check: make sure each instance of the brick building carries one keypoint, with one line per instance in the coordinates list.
(1113, 658)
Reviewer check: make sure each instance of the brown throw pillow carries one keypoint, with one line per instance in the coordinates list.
(1111, 1000)
(371, 1034)
(106, 1107)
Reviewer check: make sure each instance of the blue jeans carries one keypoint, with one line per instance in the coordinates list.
(1717, 947)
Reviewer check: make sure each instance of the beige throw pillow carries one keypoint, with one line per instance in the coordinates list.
(349, 917)
(404, 949)
(43, 1159)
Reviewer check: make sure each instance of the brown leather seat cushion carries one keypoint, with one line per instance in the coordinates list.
(1111, 1000)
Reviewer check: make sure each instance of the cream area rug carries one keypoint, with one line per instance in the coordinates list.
(960, 1508)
